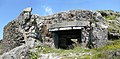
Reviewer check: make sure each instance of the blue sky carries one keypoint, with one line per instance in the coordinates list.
(10, 9)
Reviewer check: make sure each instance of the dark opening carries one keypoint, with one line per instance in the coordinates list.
(113, 36)
(67, 39)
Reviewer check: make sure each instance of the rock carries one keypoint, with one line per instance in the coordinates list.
(99, 37)
(97, 16)
(117, 53)
(11, 36)
(28, 9)
(113, 54)
(26, 28)
(16, 53)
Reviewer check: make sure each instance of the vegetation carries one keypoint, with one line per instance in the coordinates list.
(111, 18)
(104, 52)
(78, 52)
(109, 14)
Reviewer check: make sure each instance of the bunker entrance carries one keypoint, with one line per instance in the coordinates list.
(67, 39)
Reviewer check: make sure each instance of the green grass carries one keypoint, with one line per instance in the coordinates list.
(97, 53)
(113, 46)
(111, 17)
(103, 52)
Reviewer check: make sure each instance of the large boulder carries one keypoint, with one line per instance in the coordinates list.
(16, 53)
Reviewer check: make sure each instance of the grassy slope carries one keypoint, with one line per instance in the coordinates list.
(80, 53)
(111, 18)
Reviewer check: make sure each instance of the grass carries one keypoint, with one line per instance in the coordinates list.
(60, 52)
(103, 52)
(110, 17)
(113, 46)
(96, 53)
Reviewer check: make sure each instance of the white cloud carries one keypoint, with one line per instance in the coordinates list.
(48, 10)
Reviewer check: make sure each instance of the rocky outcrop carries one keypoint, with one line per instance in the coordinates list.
(113, 19)
(16, 53)
(11, 36)
(32, 29)
(18, 31)
(114, 31)
(29, 28)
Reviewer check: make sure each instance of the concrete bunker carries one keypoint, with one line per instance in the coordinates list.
(67, 34)
(62, 39)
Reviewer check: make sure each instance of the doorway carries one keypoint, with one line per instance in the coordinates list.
(67, 39)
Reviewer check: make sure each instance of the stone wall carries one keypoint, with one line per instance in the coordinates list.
(27, 28)
(11, 36)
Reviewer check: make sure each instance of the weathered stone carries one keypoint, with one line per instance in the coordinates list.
(99, 37)
(34, 27)
(16, 53)
(11, 36)
(26, 28)
(28, 9)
